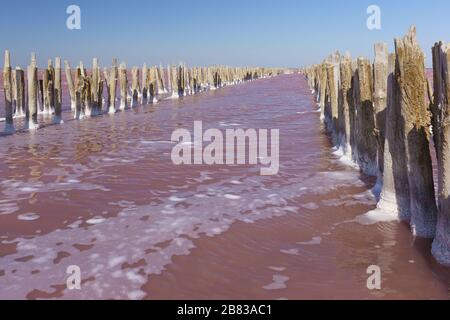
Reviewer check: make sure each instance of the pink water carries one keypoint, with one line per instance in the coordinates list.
(103, 194)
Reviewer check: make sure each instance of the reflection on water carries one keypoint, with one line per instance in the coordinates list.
(103, 194)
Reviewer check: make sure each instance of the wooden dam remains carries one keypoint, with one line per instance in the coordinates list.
(385, 116)
(95, 92)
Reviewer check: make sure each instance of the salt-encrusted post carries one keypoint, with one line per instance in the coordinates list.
(87, 97)
(79, 95)
(331, 112)
(323, 89)
(48, 88)
(113, 87)
(31, 122)
(152, 85)
(95, 87)
(144, 95)
(161, 81)
(134, 86)
(58, 92)
(189, 81)
(14, 91)
(20, 92)
(169, 80)
(346, 106)
(107, 84)
(51, 88)
(380, 74)
(394, 197)
(71, 86)
(174, 77)
(441, 131)
(123, 79)
(410, 98)
(195, 86)
(366, 141)
(180, 80)
(7, 88)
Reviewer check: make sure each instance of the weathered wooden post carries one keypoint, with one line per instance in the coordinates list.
(123, 79)
(394, 197)
(13, 91)
(145, 84)
(108, 90)
(366, 141)
(134, 86)
(380, 74)
(323, 89)
(47, 88)
(346, 106)
(331, 98)
(410, 89)
(95, 87)
(441, 131)
(20, 92)
(87, 97)
(195, 82)
(7, 88)
(32, 112)
(71, 86)
(79, 95)
(180, 80)
(169, 80)
(161, 81)
(190, 81)
(112, 83)
(58, 92)
(333, 87)
(174, 77)
(152, 85)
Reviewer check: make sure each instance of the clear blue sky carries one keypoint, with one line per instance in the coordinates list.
(233, 32)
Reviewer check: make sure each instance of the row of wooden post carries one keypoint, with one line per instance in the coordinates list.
(383, 115)
(95, 92)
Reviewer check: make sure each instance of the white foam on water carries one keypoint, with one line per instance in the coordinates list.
(176, 199)
(277, 269)
(173, 96)
(376, 216)
(7, 208)
(310, 206)
(364, 198)
(313, 242)
(306, 112)
(96, 220)
(28, 217)
(279, 282)
(28, 189)
(75, 224)
(292, 252)
(126, 235)
(115, 261)
(347, 160)
(232, 197)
